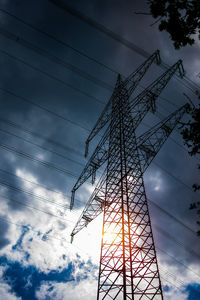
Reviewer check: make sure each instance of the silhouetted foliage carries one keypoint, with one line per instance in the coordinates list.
(180, 18)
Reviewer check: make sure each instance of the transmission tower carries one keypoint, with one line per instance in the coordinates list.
(128, 265)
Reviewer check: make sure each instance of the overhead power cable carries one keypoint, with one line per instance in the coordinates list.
(53, 58)
(32, 194)
(42, 147)
(15, 125)
(49, 76)
(40, 136)
(71, 10)
(54, 38)
(32, 207)
(35, 159)
(179, 262)
(73, 68)
(49, 111)
(80, 201)
(38, 232)
(168, 235)
(173, 176)
(47, 236)
(32, 182)
(180, 181)
(42, 107)
(158, 228)
(65, 171)
(172, 217)
(63, 43)
(72, 221)
(47, 164)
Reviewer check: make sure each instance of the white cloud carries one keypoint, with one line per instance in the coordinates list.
(174, 293)
(47, 248)
(155, 180)
(84, 290)
(47, 251)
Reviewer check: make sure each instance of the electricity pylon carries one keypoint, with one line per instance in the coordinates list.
(128, 264)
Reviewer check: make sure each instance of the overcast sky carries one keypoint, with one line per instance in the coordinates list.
(57, 73)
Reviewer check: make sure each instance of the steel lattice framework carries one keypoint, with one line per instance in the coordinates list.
(128, 264)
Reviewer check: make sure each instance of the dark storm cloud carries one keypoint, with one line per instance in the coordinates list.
(4, 241)
(83, 110)
(11, 186)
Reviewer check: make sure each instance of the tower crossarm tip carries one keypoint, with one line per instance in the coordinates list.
(131, 82)
(94, 206)
(146, 100)
(152, 140)
(104, 117)
(97, 159)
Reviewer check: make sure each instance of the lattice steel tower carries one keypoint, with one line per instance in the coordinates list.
(128, 264)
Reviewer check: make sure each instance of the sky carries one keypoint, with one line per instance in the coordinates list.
(58, 71)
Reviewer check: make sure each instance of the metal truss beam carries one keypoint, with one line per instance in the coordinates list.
(128, 263)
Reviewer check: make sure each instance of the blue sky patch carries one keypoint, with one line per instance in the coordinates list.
(24, 281)
(193, 291)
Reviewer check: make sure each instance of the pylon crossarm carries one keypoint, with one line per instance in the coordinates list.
(104, 117)
(98, 158)
(94, 206)
(145, 101)
(96, 202)
(131, 82)
(148, 145)
(152, 140)
(95, 162)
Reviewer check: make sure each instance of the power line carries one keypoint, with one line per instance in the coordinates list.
(58, 60)
(173, 176)
(32, 182)
(42, 107)
(53, 58)
(36, 231)
(72, 174)
(37, 135)
(71, 221)
(167, 234)
(49, 76)
(52, 37)
(32, 207)
(80, 201)
(179, 262)
(110, 33)
(37, 196)
(169, 173)
(33, 158)
(155, 226)
(65, 44)
(41, 147)
(65, 171)
(49, 111)
(23, 204)
(39, 233)
(172, 217)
